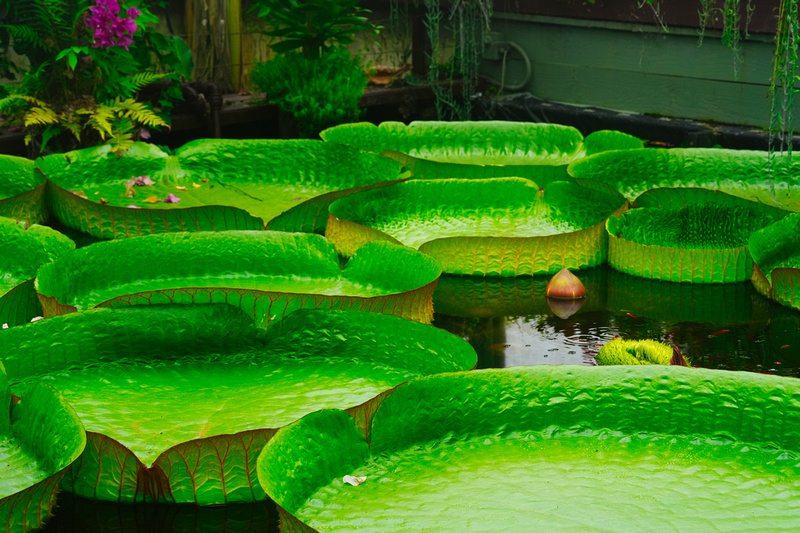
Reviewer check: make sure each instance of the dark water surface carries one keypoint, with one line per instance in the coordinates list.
(509, 323)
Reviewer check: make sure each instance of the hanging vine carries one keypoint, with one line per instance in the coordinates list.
(704, 15)
(784, 76)
(469, 22)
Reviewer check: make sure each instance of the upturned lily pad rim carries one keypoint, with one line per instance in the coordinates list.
(25, 248)
(397, 133)
(736, 172)
(771, 247)
(49, 431)
(646, 408)
(60, 290)
(527, 255)
(770, 244)
(685, 265)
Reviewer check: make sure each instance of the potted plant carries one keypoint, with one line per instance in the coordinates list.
(314, 79)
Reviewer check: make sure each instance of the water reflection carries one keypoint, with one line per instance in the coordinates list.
(728, 326)
(78, 515)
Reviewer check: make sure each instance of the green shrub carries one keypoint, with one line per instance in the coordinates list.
(318, 93)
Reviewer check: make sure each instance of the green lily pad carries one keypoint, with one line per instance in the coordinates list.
(25, 249)
(38, 441)
(21, 190)
(777, 258)
(563, 448)
(495, 227)
(749, 174)
(698, 243)
(607, 140)
(266, 273)
(677, 197)
(469, 150)
(179, 400)
(216, 184)
(288, 183)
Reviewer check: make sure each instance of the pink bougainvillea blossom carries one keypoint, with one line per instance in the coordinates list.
(109, 28)
(171, 199)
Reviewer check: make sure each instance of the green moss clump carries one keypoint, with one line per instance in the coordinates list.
(698, 226)
(631, 352)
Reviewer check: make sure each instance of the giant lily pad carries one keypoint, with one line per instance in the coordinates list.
(215, 184)
(179, 400)
(266, 273)
(607, 140)
(494, 227)
(40, 438)
(749, 174)
(556, 448)
(480, 150)
(700, 243)
(777, 257)
(21, 191)
(288, 183)
(25, 249)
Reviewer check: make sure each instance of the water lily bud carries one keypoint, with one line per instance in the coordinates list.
(565, 285)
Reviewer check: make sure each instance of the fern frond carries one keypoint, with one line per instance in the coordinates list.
(25, 35)
(139, 112)
(40, 116)
(101, 121)
(54, 19)
(30, 99)
(142, 79)
(74, 128)
(122, 139)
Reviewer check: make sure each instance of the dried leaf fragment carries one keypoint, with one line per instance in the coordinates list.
(151, 200)
(140, 181)
(103, 201)
(205, 180)
(354, 480)
(137, 181)
(196, 186)
(180, 188)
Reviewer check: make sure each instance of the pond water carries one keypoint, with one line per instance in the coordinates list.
(509, 322)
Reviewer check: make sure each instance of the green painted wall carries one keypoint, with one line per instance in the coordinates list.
(638, 68)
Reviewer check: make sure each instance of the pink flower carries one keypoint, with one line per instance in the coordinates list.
(109, 28)
(171, 199)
